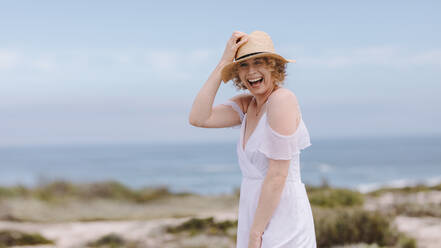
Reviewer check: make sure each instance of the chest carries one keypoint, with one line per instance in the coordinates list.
(251, 127)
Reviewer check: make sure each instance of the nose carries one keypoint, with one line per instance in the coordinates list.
(252, 68)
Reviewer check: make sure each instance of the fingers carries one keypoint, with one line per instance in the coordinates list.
(242, 40)
(237, 39)
(237, 35)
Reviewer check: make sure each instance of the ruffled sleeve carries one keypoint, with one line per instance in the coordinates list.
(237, 109)
(283, 147)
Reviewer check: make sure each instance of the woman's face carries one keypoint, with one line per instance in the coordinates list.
(254, 69)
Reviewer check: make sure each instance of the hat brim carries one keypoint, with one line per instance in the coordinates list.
(226, 72)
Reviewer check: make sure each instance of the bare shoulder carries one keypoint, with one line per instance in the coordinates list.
(242, 100)
(283, 97)
(283, 111)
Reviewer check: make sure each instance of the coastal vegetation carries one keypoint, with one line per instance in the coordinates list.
(10, 237)
(342, 217)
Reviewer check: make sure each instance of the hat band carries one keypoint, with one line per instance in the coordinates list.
(247, 55)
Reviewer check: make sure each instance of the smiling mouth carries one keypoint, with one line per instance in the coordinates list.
(255, 81)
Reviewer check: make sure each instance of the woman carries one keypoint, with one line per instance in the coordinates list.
(274, 209)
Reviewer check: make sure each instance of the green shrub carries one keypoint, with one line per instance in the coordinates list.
(110, 240)
(207, 225)
(405, 190)
(55, 190)
(107, 190)
(406, 242)
(14, 191)
(342, 226)
(18, 238)
(334, 197)
(60, 190)
(416, 210)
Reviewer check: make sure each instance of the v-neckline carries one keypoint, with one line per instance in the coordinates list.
(245, 120)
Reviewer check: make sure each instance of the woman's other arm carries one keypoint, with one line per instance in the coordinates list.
(282, 120)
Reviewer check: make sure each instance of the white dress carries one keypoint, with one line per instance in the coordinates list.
(292, 223)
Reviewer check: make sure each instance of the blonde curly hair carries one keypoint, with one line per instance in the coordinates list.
(279, 72)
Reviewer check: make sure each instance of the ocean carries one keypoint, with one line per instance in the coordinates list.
(363, 164)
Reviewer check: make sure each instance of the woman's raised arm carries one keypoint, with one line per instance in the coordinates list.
(202, 108)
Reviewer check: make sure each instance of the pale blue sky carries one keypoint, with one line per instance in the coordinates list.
(128, 71)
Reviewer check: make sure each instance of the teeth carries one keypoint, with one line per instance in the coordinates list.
(254, 80)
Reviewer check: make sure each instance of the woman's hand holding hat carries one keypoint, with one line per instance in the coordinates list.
(237, 39)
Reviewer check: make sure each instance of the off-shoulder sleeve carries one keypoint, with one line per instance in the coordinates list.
(283, 147)
(237, 109)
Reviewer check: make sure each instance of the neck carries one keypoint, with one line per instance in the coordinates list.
(262, 98)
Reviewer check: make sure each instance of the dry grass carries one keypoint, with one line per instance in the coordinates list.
(405, 190)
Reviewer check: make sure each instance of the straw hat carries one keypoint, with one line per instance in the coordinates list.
(259, 44)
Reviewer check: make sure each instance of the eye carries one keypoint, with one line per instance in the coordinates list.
(243, 64)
